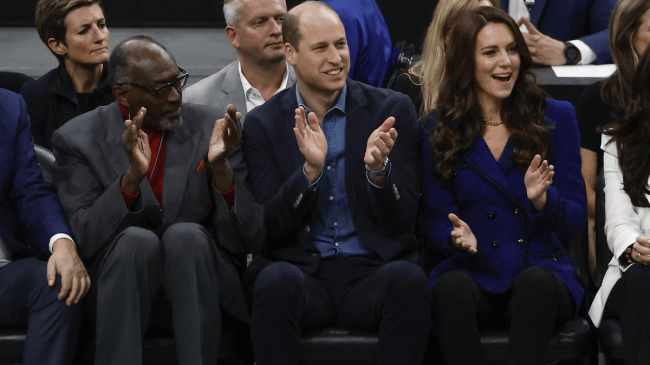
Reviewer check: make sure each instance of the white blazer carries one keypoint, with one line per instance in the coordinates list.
(623, 224)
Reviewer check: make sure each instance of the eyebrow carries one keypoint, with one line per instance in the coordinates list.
(513, 43)
(88, 25)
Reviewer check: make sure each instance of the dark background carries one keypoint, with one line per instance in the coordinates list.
(406, 19)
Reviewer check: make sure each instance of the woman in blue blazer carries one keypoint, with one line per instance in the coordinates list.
(503, 190)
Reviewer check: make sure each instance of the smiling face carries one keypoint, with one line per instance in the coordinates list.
(258, 36)
(86, 38)
(322, 59)
(496, 64)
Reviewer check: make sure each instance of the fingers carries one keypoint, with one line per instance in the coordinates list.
(139, 117)
(520, 21)
(51, 272)
(387, 124)
(534, 164)
(313, 122)
(73, 297)
(531, 28)
(66, 285)
(301, 121)
(233, 113)
(640, 251)
(455, 220)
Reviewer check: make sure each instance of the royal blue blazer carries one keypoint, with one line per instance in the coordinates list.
(566, 20)
(490, 196)
(30, 212)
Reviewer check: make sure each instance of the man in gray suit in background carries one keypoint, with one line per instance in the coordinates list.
(254, 27)
(147, 187)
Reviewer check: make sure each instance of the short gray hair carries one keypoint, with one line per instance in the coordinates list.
(232, 12)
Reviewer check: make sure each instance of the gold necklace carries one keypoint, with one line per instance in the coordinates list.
(489, 122)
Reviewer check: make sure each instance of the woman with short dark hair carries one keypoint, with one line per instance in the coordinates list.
(503, 192)
(75, 32)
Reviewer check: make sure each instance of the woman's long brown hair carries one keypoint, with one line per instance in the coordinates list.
(522, 111)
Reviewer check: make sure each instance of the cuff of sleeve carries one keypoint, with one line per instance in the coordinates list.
(311, 186)
(552, 205)
(129, 199)
(228, 196)
(387, 179)
(56, 237)
(587, 55)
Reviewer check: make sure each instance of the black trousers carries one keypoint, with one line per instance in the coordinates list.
(537, 303)
(27, 300)
(629, 301)
(130, 274)
(393, 298)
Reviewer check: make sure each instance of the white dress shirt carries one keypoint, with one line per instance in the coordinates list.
(252, 95)
(6, 254)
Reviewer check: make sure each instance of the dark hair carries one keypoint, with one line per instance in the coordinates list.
(624, 23)
(118, 64)
(291, 24)
(50, 18)
(631, 133)
(522, 111)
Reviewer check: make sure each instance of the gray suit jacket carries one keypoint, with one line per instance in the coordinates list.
(91, 160)
(219, 90)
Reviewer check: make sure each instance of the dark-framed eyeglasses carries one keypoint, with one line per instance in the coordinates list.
(164, 90)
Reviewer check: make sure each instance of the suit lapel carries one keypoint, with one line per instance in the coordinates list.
(179, 160)
(536, 12)
(358, 128)
(233, 91)
(481, 160)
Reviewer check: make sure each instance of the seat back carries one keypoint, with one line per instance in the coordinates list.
(46, 161)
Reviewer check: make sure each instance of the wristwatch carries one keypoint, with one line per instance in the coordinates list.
(571, 53)
(383, 171)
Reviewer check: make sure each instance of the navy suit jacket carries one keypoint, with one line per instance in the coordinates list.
(30, 213)
(490, 196)
(566, 20)
(383, 217)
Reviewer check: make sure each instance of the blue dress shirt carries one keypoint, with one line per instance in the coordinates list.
(333, 233)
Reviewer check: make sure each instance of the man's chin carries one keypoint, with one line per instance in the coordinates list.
(169, 123)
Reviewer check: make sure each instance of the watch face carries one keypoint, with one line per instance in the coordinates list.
(571, 53)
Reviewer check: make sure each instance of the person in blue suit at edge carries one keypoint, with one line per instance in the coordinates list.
(42, 278)
(561, 32)
(503, 193)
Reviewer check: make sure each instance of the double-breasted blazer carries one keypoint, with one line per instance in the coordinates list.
(383, 217)
(92, 160)
(490, 196)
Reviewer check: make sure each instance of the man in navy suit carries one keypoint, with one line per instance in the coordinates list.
(564, 32)
(41, 276)
(340, 201)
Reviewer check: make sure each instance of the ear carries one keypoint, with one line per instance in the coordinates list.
(290, 54)
(57, 46)
(231, 33)
(121, 95)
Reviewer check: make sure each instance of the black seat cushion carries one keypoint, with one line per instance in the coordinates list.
(344, 346)
(12, 343)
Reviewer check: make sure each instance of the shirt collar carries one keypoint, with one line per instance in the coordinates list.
(340, 104)
(247, 85)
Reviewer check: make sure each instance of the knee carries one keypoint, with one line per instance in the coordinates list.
(452, 287)
(536, 280)
(406, 279)
(136, 245)
(186, 237)
(280, 282)
(639, 278)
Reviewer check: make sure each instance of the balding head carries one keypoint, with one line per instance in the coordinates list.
(303, 13)
(133, 55)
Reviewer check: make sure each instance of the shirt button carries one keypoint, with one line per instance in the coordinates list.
(336, 244)
(516, 212)
(331, 198)
(329, 168)
(491, 215)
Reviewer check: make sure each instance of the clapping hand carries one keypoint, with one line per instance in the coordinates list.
(640, 250)
(136, 145)
(462, 236)
(312, 143)
(379, 145)
(537, 179)
(226, 136)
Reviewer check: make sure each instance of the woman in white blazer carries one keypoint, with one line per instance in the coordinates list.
(624, 292)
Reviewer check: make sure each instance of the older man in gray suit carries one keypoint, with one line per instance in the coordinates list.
(254, 27)
(152, 200)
